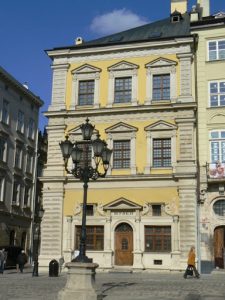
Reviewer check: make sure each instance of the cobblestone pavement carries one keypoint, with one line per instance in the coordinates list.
(116, 286)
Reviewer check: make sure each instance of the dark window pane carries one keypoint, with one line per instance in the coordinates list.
(161, 87)
(94, 239)
(121, 154)
(86, 92)
(123, 90)
(157, 238)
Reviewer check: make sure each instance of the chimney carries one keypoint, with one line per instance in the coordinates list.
(204, 7)
(179, 5)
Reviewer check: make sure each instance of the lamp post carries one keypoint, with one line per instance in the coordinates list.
(39, 212)
(84, 170)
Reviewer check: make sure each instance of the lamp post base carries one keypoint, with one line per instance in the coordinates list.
(35, 269)
(80, 281)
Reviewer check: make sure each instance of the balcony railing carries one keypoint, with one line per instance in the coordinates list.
(216, 170)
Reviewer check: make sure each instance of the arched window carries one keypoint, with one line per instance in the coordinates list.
(219, 207)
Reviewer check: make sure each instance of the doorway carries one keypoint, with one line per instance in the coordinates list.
(124, 245)
(219, 246)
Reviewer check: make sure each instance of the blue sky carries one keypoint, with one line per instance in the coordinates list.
(30, 27)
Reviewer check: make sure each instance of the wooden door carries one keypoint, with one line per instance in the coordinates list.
(124, 245)
(219, 245)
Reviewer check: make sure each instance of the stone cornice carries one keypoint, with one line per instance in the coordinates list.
(121, 110)
(65, 52)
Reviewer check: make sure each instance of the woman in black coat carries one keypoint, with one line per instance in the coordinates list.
(21, 260)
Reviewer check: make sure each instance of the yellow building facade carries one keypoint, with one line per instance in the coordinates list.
(137, 87)
(210, 82)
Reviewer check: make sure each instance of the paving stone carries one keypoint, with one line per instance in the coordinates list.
(116, 286)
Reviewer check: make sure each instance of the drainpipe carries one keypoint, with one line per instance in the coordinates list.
(198, 212)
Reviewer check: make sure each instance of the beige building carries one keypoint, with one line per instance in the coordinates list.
(210, 83)
(19, 109)
(137, 87)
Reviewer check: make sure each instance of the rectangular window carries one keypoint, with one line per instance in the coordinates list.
(18, 157)
(95, 237)
(121, 154)
(5, 112)
(156, 210)
(2, 149)
(161, 153)
(16, 193)
(157, 238)
(86, 92)
(217, 146)
(27, 194)
(20, 121)
(29, 163)
(123, 90)
(217, 93)
(31, 129)
(161, 87)
(90, 210)
(216, 50)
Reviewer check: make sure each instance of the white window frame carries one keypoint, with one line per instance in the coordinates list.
(20, 121)
(119, 70)
(219, 94)
(217, 50)
(119, 132)
(160, 130)
(160, 66)
(219, 140)
(85, 72)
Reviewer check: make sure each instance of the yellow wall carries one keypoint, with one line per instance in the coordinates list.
(104, 76)
(105, 196)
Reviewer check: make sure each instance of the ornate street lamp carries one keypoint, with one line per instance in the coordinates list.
(39, 212)
(83, 170)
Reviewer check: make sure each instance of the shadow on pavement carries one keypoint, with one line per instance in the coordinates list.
(111, 285)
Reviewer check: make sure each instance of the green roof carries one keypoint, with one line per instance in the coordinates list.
(163, 29)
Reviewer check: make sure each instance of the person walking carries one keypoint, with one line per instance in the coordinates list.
(21, 260)
(191, 263)
(3, 257)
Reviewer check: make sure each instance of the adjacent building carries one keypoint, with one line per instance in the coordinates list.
(138, 88)
(19, 113)
(210, 83)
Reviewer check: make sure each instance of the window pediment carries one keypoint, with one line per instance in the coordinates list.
(85, 69)
(218, 119)
(160, 125)
(123, 65)
(122, 203)
(161, 62)
(121, 127)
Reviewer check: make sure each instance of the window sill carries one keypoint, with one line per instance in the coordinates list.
(215, 61)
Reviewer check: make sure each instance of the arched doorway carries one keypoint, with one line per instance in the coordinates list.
(219, 246)
(124, 245)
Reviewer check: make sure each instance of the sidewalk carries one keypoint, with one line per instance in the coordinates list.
(116, 286)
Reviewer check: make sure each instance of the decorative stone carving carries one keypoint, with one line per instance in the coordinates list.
(146, 209)
(77, 210)
(172, 208)
(100, 210)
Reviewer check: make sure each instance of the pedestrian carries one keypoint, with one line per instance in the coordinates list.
(3, 258)
(191, 263)
(21, 260)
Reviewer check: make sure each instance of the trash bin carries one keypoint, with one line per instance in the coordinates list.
(53, 268)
